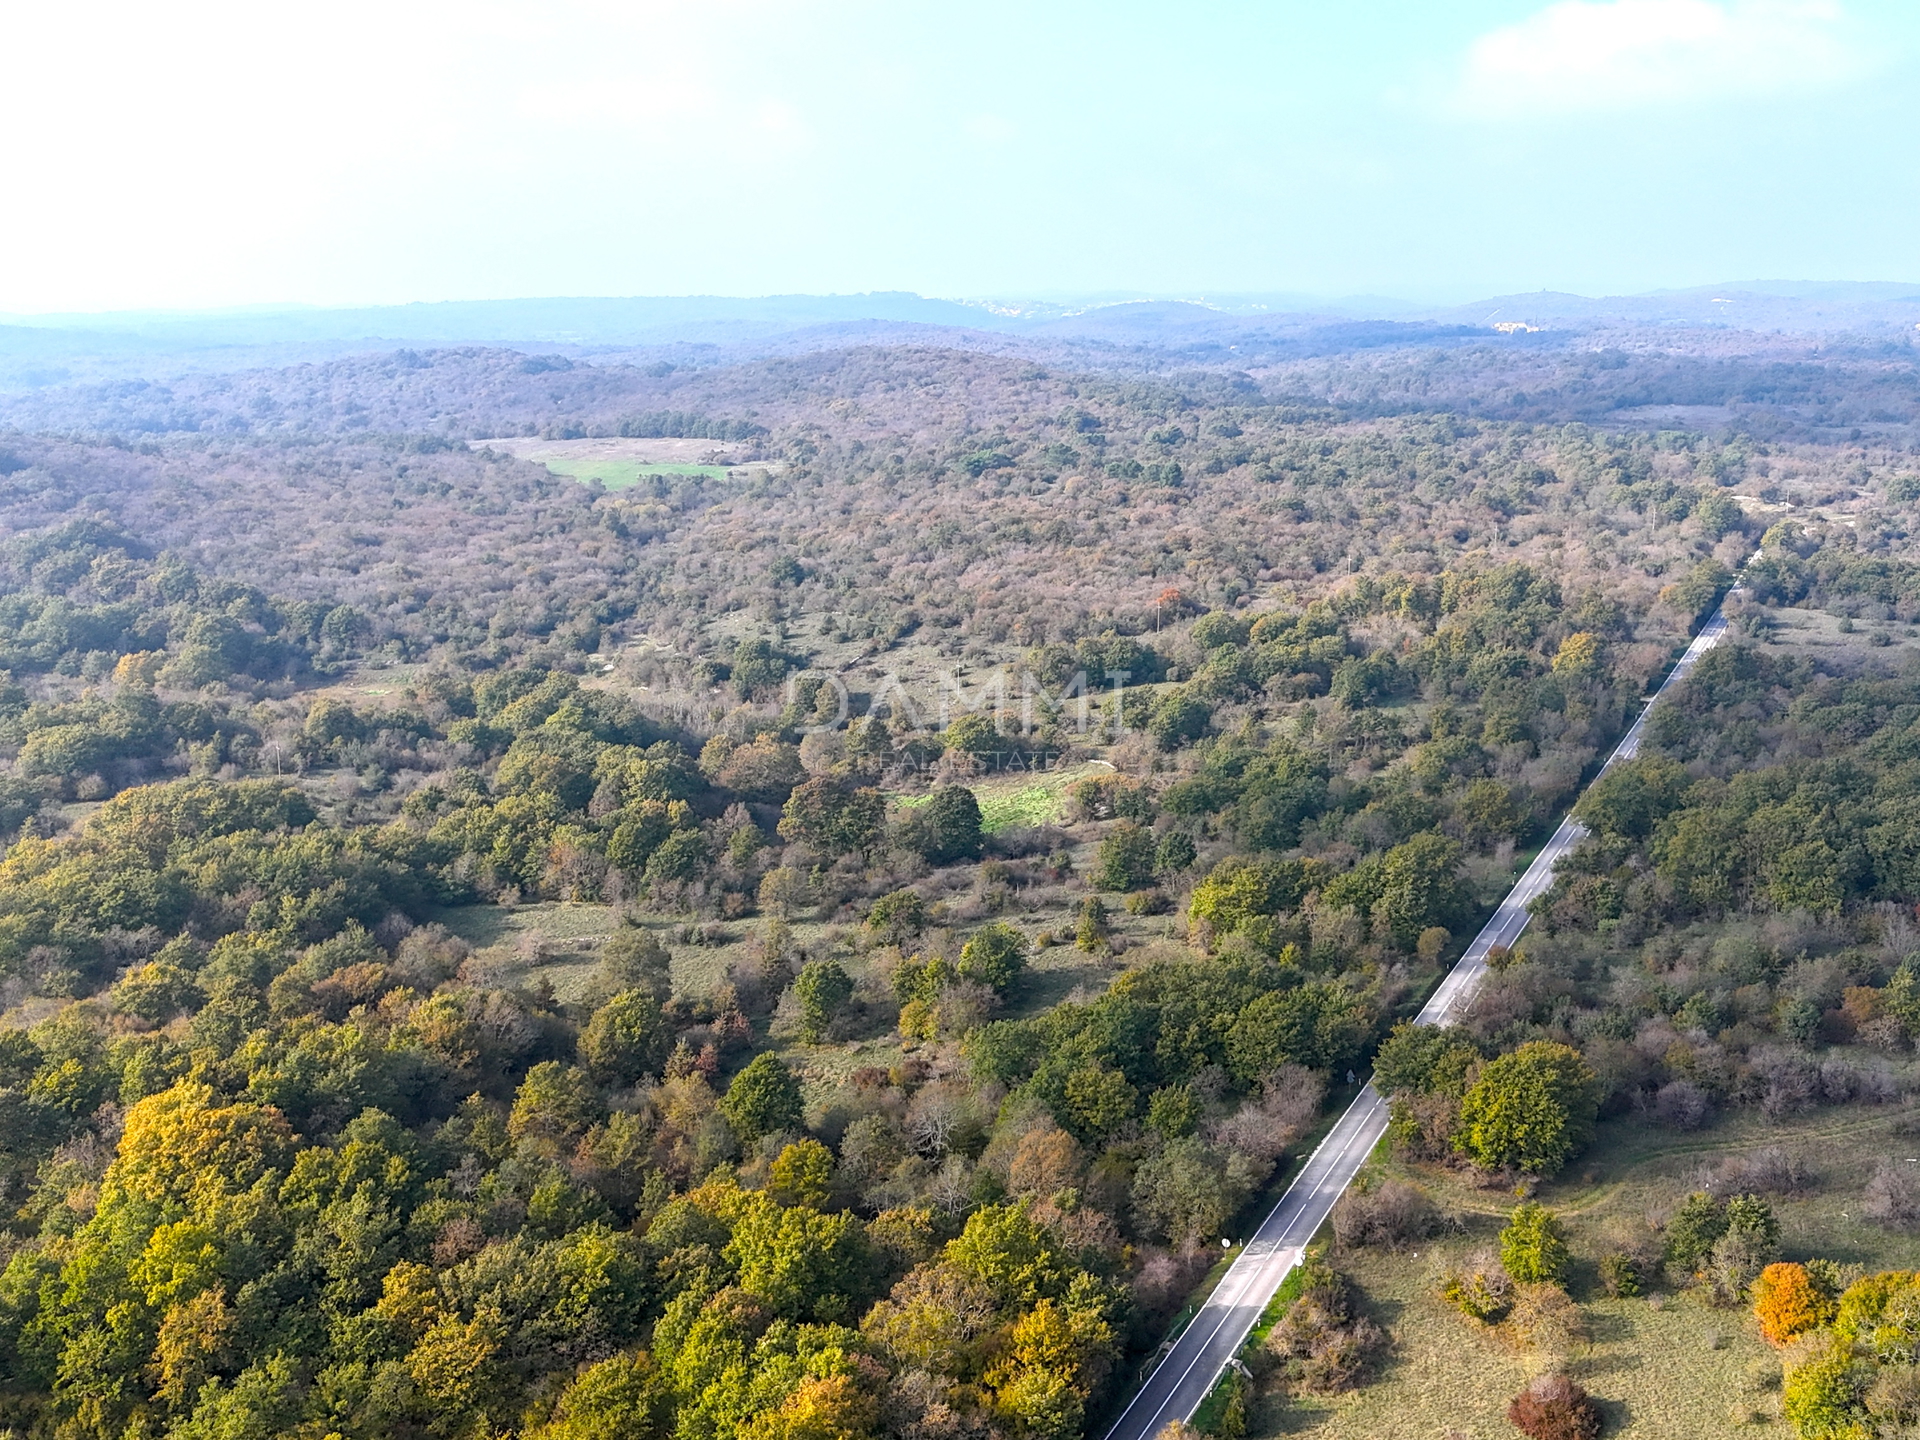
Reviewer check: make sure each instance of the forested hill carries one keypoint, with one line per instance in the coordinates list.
(815, 915)
(1768, 386)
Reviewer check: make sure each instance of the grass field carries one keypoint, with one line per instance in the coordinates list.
(621, 474)
(1669, 1368)
(1021, 799)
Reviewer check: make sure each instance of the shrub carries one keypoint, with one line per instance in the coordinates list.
(1148, 902)
(1693, 1231)
(1772, 1171)
(1533, 1247)
(1390, 1216)
(1554, 1408)
(1893, 1196)
(1682, 1105)
(1093, 930)
(1620, 1274)
(1544, 1317)
(1323, 1345)
(897, 915)
(1479, 1289)
(1751, 1241)
(1788, 1304)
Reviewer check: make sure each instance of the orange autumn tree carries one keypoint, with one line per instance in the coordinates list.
(1787, 1303)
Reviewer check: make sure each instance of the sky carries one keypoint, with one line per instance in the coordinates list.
(207, 154)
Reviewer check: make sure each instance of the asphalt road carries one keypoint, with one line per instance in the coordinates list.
(1188, 1371)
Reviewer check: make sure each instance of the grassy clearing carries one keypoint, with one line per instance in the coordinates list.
(621, 474)
(1661, 1369)
(1020, 799)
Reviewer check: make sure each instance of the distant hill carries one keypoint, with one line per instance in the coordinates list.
(1239, 331)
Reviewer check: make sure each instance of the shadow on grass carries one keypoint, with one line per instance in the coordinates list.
(1615, 1415)
(1043, 987)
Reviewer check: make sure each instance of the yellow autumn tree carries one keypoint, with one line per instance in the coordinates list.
(193, 1342)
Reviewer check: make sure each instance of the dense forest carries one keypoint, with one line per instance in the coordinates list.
(891, 1097)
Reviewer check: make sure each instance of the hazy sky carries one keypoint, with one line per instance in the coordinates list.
(200, 153)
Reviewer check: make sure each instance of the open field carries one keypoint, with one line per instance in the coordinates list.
(1672, 1367)
(620, 474)
(1830, 638)
(619, 463)
(1020, 799)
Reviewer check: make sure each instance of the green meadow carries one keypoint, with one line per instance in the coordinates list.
(620, 474)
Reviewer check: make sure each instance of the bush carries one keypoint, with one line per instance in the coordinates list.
(1693, 1231)
(1554, 1408)
(1788, 1304)
(1544, 1317)
(1323, 1345)
(1148, 902)
(1620, 1274)
(1533, 1247)
(1479, 1289)
(1772, 1171)
(1682, 1105)
(1093, 930)
(1893, 1196)
(1390, 1216)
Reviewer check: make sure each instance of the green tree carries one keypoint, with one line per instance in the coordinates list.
(682, 857)
(823, 989)
(764, 1098)
(804, 1265)
(994, 956)
(1125, 858)
(1532, 1110)
(1425, 1060)
(1176, 852)
(626, 1040)
(553, 1108)
(977, 735)
(1178, 717)
(1185, 1192)
(1533, 1246)
(621, 1398)
(1319, 1025)
(1821, 1396)
(1172, 1111)
(802, 1174)
(1099, 1100)
(1236, 890)
(834, 818)
(634, 959)
(1419, 887)
(1632, 798)
(947, 827)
